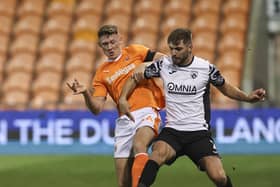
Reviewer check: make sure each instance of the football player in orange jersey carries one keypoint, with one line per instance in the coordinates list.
(132, 137)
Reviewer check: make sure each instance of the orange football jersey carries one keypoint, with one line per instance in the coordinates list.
(110, 78)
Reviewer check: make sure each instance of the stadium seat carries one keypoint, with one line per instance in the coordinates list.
(80, 62)
(204, 41)
(57, 25)
(15, 100)
(13, 85)
(7, 7)
(236, 23)
(72, 102)
(116, 7)
(20, 63)
(219, 101)
(89, 7)
(236, 6)
(162, 44)
(54, 44)
(82, 46)
(44, 100)
(60, 7)
(3, 44)
(230, 60)
(85, 28)
(31, 8)
(2, 63)
(51, 62)
(145, 23)
(177, 7)
(121, 21)
(205, 54)
(231, 41)
(203, 6)
(144, 7)
(18, 81)
(28, 25)
(205, 23)
(26, 43)
(232, 75)
(49, 81)
(147, 39)
(170, 23)
(5, 26)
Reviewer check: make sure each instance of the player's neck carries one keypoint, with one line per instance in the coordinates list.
(187, 62)
(115, 59)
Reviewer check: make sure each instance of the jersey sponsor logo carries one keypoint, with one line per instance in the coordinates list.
(120, 72)
(194, 74)
(181, 89)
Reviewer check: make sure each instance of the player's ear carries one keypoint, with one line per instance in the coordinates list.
(190, 46)
(121, 38)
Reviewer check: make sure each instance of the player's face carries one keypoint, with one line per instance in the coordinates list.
(110, 45)
(180, 53)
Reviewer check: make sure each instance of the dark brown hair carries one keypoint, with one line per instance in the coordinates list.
(107, 30)
(180, 34)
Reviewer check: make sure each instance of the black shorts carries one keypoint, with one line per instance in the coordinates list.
(195, 144)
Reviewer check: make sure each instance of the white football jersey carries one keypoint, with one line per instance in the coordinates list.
(187, 91)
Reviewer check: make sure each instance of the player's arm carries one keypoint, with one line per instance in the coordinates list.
(234, 92)
(94, 104)
(146, 73)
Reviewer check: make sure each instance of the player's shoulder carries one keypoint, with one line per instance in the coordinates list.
(135, 48)
(199, 61)
(101, 67)
(164, 60)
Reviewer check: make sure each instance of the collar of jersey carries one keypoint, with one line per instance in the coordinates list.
(116, 59)
(188, 63)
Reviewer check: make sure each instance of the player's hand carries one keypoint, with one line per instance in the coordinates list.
(257, 95)
(124, 109)
(138, 73)
(76, 87)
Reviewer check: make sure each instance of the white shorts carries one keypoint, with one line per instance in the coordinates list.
(125, 129)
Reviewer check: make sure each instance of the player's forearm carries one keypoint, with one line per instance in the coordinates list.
(234, 93)
(128, 88)
(95, 108)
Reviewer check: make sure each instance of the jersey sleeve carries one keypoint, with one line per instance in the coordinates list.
(99, 88)
(154, 69)
(145, 53)
(215, 76)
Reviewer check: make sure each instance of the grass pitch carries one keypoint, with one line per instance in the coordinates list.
(98, 171)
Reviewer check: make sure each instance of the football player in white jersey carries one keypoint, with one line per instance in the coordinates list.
(187, 80)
